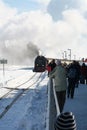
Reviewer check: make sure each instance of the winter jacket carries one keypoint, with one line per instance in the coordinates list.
(59, 75)
(84, 70)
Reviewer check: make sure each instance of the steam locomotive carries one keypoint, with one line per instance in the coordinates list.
(40, 64)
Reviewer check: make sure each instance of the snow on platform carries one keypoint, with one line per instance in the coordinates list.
(78, 106)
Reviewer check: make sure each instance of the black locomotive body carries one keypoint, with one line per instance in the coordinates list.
(40, 64)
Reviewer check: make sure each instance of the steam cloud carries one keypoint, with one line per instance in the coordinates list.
(17, 54)
(61, 26)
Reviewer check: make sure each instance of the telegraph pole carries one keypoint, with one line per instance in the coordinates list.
(69, 54)
(3, 62)
(65, 55)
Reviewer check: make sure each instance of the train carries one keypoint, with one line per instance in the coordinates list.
(40, 64)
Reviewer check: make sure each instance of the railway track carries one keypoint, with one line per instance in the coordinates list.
(12, 76)
(10, 89)
(20, 92)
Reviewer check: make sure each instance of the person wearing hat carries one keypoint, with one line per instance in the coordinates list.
(59, 75)
(65, 121)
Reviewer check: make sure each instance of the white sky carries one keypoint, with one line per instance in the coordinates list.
(52, 26)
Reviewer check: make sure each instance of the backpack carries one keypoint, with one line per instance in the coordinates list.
(72, 73)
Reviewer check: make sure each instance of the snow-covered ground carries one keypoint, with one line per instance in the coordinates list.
(29, 112)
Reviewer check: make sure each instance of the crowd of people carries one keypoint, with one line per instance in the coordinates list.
(66, 77)
(73, 73)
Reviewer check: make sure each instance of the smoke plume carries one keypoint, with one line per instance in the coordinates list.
(18, 54)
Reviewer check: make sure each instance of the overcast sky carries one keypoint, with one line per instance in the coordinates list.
(52, 26)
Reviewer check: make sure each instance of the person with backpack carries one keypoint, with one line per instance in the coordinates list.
(72, 79)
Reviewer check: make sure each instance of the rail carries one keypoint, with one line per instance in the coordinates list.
(53, 107)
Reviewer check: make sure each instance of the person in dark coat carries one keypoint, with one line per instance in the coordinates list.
(72, 79)
(83, 76)
(51, 66)
(78, 68)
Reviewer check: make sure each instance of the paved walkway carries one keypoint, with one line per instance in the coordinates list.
(78, 106)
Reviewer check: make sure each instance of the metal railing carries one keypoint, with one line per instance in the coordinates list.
(53, 107)
(55, 97)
